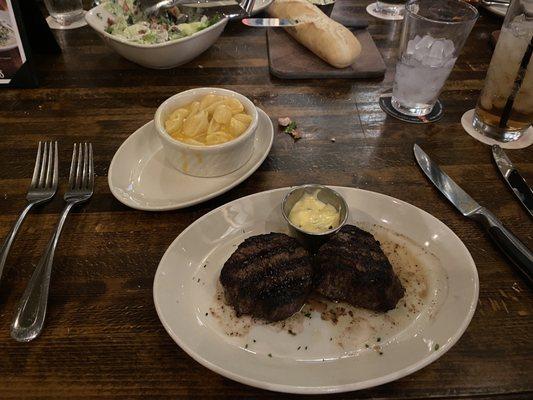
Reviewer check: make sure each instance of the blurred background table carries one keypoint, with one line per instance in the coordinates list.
(102, 336)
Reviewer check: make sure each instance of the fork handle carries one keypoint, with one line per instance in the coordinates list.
(6, 246)
(30, 315)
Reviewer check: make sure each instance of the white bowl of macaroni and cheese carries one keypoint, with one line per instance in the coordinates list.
(207, 132)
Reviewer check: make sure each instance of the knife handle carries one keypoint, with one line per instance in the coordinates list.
(511, 246)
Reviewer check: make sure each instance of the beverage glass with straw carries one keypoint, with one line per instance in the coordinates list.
(504, 109)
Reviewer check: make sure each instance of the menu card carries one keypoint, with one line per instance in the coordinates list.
(21, 25)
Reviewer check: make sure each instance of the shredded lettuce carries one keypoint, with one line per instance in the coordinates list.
(129, 22)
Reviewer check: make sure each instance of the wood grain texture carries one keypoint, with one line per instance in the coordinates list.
(102, 337)
(288, 59)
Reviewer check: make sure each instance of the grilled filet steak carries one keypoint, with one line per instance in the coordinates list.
(268, 276)
(352, 267)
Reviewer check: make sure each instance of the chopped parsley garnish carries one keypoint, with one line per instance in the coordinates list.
(290, 128)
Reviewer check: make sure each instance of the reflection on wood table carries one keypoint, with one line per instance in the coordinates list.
(102, 336)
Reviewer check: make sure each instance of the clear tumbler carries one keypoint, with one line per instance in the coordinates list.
(433, 34)
(64, 12)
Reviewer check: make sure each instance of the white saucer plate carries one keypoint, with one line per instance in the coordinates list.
(140, 176)
(185, 290)
(525, 141)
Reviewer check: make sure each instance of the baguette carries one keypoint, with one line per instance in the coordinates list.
(328, 39)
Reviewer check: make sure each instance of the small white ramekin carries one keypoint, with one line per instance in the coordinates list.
(206, 161)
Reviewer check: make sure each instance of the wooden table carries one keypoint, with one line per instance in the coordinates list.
(102, 336)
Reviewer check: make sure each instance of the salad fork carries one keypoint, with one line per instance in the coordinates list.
(42, 188)
(30, 315)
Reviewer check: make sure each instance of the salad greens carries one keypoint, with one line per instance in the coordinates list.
(129, 22)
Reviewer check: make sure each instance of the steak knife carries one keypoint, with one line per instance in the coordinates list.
(508, 243)
(269, 22)
(513, 178)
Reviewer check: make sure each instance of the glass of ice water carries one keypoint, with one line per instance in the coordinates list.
(65, 12)
(504, 110)
(433, 34)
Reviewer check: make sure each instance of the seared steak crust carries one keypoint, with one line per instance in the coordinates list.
(352, 267)
(268, 276)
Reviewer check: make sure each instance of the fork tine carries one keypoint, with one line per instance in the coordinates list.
(71, 178)
(55, 176)
(42, 173)
(37, 165)
(248, 6)
(49, 165)
(91, 167)
(78, 167)
(85, 173)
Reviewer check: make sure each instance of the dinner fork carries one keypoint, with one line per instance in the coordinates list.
(29, 318)
(42, 188)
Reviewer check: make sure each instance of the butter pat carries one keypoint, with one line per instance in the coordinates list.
(313, 215)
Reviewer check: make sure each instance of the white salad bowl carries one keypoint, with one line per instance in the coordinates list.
(206, 161)
(162, 55)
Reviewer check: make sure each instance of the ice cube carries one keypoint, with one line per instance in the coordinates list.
(433, 62)
(422, 48)
(437, 50)
(424, 43)
(449, 48)
(412, 44)
(519, 25)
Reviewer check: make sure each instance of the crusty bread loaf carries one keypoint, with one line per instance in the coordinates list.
(328, 39)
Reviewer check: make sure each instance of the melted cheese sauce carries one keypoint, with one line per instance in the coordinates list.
(313, 215)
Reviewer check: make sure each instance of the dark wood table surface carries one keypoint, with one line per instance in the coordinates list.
(102, 336)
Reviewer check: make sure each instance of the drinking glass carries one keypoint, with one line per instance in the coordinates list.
(504, 110)
(433, 34)
(64, 12)
(390, 7)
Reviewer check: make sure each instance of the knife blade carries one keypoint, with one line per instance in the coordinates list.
(508, 243)
(513, 178)
(453, 192)
(269, 22)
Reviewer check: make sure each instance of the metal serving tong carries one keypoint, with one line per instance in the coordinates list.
(244, 8)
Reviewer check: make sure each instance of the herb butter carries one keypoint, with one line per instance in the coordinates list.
(313, 215)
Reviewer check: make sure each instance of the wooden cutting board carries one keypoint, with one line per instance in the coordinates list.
(288, 59)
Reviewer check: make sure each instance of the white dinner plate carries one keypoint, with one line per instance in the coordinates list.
(140, 176)
(310, 359)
